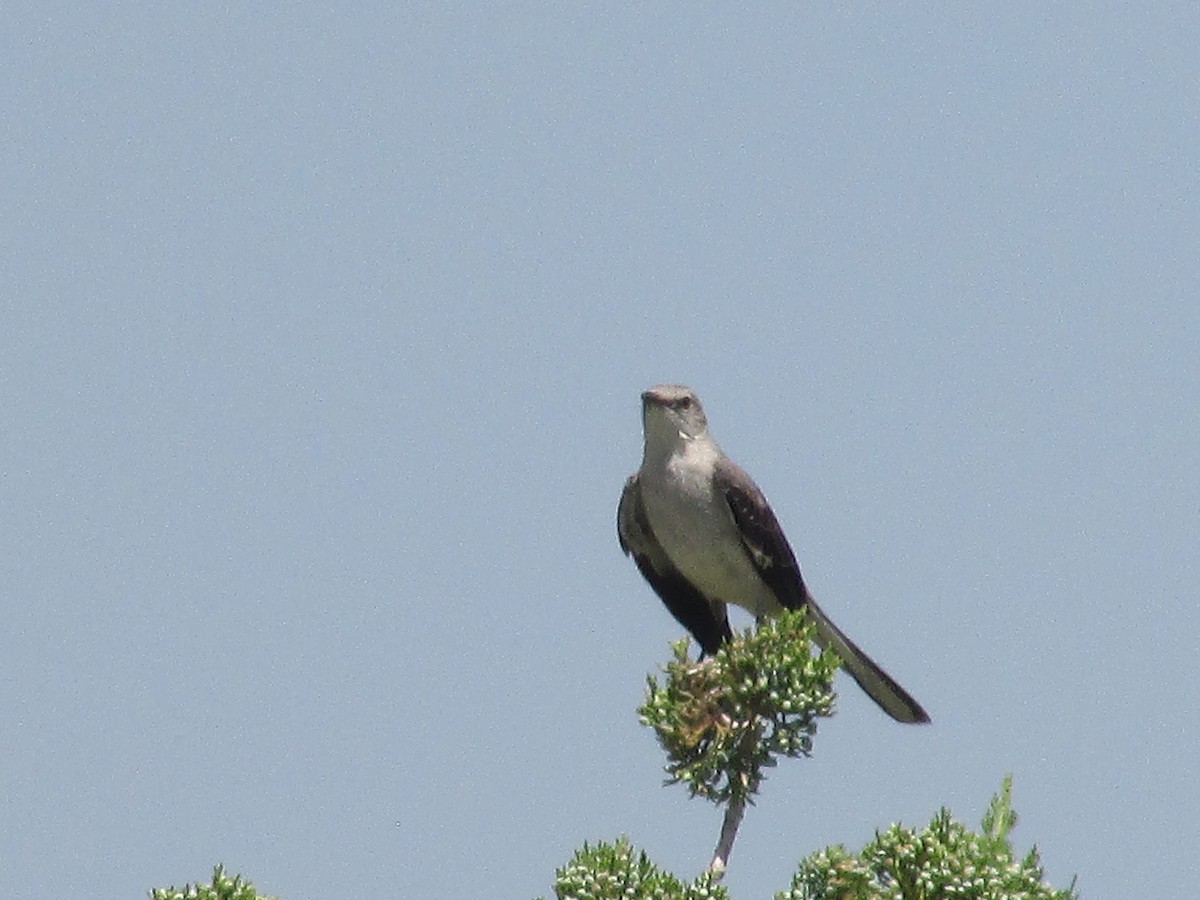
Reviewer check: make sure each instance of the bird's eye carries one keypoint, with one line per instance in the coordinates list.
(685, 402)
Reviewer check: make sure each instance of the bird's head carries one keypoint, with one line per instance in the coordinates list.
(671, 413)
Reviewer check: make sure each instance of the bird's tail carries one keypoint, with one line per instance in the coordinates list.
(879, 685)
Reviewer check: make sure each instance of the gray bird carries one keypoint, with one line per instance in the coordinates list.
(703, 535)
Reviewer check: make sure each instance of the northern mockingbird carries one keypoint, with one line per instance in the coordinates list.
(703, 535)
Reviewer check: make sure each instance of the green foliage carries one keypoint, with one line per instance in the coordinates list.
(616, 872)
(725, 719)
(722, 721)
(222, 888)
(942, 861)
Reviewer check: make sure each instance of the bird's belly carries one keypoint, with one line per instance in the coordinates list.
(708, 552)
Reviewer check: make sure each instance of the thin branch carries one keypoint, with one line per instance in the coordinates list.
(737, 804)
(729, 828)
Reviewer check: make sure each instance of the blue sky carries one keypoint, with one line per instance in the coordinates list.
(321, 339)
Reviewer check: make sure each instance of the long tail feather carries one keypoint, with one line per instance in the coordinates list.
(879, 685)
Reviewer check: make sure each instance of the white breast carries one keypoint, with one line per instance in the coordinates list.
(696, 530)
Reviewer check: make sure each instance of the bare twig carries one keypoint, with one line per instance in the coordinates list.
(737, 805)
(733, 818)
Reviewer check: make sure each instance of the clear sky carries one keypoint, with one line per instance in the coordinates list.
(321, 340)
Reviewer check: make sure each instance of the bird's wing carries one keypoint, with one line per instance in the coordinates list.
(761, 534)
(706, 619)
(772, 555)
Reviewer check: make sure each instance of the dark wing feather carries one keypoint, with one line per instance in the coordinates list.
(705, 619)
(762, 535)
(771, 553)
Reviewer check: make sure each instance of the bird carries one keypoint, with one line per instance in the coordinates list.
(703, 535)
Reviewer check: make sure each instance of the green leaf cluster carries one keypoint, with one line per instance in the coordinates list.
(943, 861)
(617, 872)
(223, 887)
(723, 720)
